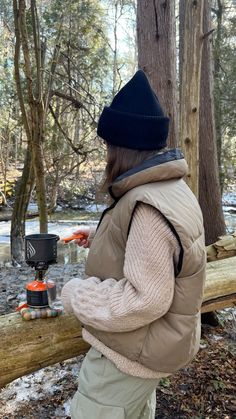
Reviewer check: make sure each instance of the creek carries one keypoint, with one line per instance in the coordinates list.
(65, 222)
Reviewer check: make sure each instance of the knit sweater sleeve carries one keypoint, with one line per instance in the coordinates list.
(146, 291)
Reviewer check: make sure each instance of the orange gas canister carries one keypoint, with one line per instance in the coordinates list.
(37, 295)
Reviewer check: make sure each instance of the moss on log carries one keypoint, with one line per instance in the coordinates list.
(27, 346)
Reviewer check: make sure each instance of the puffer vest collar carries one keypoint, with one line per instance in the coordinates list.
(165, 165)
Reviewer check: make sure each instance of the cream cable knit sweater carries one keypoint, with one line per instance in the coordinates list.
(142, 296)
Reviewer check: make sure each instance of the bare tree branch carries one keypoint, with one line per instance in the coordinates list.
(17, 70)
(78, 149)
(25, 49)
(54, 62)
(205, 35)
(37, 48)
(75, 102)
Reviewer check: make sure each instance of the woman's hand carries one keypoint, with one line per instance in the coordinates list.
(83, 236)
(83, 241)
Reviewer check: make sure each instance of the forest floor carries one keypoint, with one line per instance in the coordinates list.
(204, 389)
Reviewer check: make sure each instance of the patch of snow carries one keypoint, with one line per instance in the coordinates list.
(75, 370)
(230, 222)
(95, 208)
(216, 337)
(64, 410)
(32, 207)
(66, 406)
(202, 346)
(227, 313)
(229, 198)
(33, 387)
(8, 264)
(228, 208)
(21, 296)
(59, 208)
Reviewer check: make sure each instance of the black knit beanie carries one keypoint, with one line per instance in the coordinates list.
(135, 118)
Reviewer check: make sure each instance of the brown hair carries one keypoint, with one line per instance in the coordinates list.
(120, 159)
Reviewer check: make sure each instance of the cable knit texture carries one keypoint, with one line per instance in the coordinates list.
(142, 296)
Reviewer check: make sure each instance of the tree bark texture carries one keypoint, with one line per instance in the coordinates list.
(157, 55)
(27, 180)
(38, 162)
(191, 48)
(33, 116)
(27, 346)
(217, 76)
(209, 182)
(18, 217)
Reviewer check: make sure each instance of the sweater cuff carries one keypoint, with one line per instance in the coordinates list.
(68, 292)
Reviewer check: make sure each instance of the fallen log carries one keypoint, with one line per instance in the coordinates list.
(28, 346)
(220, 279)
(219, 303)
(7, 215)
(224, 247)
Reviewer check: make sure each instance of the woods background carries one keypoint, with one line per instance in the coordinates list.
(62, 61)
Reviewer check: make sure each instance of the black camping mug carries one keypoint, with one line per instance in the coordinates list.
(41, 248)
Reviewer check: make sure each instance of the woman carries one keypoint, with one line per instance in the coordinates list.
(140, 305)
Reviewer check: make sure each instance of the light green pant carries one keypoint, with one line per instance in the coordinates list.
(107, 393)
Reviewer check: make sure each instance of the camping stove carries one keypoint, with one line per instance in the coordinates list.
(40, 252)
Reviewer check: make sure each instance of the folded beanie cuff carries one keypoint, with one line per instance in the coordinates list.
(140, 132)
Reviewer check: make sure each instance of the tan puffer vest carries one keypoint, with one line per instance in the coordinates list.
(170, 342)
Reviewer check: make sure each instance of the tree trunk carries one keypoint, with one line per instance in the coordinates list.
(54, 192)
(27, 346)
(191, 48)
(37, 151)
(3, 199)
(114, 51)
(23, 193)
(157, 55)
(209, 184)
(27, 180)
(32, 109)
(217, 75)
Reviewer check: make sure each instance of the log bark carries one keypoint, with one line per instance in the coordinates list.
(218, 303)
(224, 247)
(220, 279)
(28, 346)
